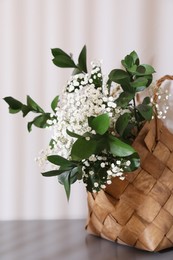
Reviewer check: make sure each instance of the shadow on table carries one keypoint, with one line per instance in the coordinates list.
(108, 251)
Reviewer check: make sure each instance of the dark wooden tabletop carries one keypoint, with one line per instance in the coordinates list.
(63, 240)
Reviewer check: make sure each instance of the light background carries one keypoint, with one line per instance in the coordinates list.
(28, 30)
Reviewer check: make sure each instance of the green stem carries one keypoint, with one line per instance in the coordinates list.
(135, 113)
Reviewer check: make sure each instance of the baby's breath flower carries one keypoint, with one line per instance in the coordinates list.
(128, 163)
(102, 165)
(109, 172)
(118, 162)
(81, 100)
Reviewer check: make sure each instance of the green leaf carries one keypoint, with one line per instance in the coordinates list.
(14, 105)
(101, 144)
(119, 148)
(14, 111)
(33, 105)
(72, 134)
(139, 84)
(59, 160)
(124, 99)
(122, 123)
(146, 100)
(135, 163)
(127, 62)
(39, 121)
(64, 179)
(128, 134)
(29, 126)
(145, 69)
(73, 175)
(80, 172)
(141, 70)
(119, 76)
(25, 110)
(67, 178)
(57, 51)
(146, 111)
(150, 79)
(135, 57)
(132, 70)
(76, 71)
(55, 103)
(100, 124)
(83, 149)
(82, 63)
(97, 80)
(90, 119)
(131, 62)
(64, 62)
(62, 59)
(52, 143)
(52, 173)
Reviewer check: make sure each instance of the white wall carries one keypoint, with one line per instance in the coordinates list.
(28, 30)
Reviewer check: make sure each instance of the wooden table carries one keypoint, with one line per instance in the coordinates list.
(63, 240)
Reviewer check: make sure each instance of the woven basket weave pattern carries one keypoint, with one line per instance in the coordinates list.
(139, 210)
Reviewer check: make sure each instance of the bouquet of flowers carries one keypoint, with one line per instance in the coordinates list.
(94, 121)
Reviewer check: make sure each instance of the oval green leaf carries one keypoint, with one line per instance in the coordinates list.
(100, 124)
(54, 103)
(119, 76)
(59, 160)
(124, 99)
(122, 123)
(146, 111)
(83, 149)
(139, 84)
(82, 60)
(119, 148)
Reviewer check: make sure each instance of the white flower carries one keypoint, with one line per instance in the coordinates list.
(109, 172)
(128, 163)
(86, 163)
(78, 102)
(119, 174)
(102, 165)
(115, 169)
(92, 158)
(118, 162)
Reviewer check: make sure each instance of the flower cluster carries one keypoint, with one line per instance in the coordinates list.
(81, 100)
(98, 170)
(94, 121)
(160, 100)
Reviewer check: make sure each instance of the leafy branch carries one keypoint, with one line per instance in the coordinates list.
(134, 78)
(64, 60)
(71, 170)
(100, 142)
(15, 106)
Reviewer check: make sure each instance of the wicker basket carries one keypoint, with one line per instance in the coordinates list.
(139, 210)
